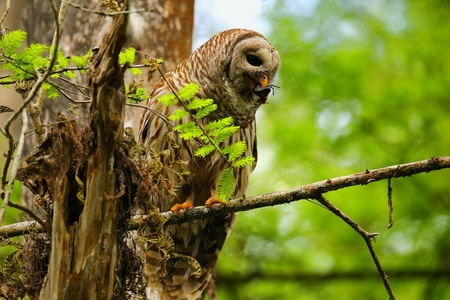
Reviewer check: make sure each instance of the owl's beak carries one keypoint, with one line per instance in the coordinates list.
(259, 87)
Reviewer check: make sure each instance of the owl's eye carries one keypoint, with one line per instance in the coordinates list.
(254, 60)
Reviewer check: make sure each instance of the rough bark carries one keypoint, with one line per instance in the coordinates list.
(84, 253)
(165, 32)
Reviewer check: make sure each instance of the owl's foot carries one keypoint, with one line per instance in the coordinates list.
(213, 200)
(177, 207)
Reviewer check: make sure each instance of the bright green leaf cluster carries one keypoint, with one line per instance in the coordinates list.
(189, 130)
(52, 90)
(168, 100)
(23, 64)
(11, 42)
(188, 91)
(178, 115)
(136, 95)
(140, 94)
(213, 134)
(135, 71)
(127, 56)
(81, 62)
(226, 185)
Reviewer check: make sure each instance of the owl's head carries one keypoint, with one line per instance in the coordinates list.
(235, 68)
(252, 66)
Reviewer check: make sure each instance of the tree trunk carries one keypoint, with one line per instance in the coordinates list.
(85, 253)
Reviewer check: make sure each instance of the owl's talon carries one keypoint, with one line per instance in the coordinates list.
(177, 207)
(213, 200)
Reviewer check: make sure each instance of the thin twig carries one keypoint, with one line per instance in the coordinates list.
(77, 85)
(18, 66)
(343, 216)
(33, 77)
(15, 165)
(28, 211)
(34, 109)
(58, 71)
(107, 13)
(8, 7)
(391, 208)
(163, 117)
(365, 235)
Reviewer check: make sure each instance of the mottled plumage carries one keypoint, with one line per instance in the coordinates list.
(235, 69)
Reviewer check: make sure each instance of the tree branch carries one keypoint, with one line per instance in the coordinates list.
(34, 109)
(108, 13)
(365, 235)
(15, 166)
(309, 191)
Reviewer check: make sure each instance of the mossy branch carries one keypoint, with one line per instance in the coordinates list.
(308, 191)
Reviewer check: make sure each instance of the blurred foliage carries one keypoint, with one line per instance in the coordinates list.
(364, 84)
(12, 215)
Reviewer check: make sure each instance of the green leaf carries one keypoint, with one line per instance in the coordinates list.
(70, 74)
(141, 91)
(127, 56)
(81, 61)
(188, 130)
(219, 123)
(135, 71)
(62, 60)
(168, 99)
(226, 185)
(11, 42)
(243, 162)
(32, 53)
(178, 115)
(206, 111)
(5, 80)
(223, 133)
(199, 103)
(235, 150)
(188, 91)
(52, 91)
(205, 150)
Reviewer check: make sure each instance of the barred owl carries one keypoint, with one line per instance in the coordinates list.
(235, 68)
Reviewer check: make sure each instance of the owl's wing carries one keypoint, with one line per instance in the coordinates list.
(184, 271)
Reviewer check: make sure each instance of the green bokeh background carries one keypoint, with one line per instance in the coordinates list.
(364, 84)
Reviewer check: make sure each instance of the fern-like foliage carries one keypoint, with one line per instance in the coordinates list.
(226, 185)
(27, 63)
(213, 134)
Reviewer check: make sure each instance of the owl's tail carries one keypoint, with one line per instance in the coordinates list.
(183, 272)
